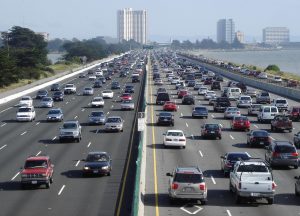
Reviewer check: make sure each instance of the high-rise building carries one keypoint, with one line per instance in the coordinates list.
(276, 35)
(240, 36)
(132, 25)
(225, 30)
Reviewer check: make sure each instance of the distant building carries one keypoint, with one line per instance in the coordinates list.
(132, 25)
(276, 35)
(240, 36)
(225, 30)
(44, 34)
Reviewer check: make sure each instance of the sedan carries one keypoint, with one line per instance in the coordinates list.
(97, 163)
(126, 96)
(55, 114)
(209, 94)
(46, 102)
(98, 84)
(41, 93)
(258, 138)
(251, 92)
(107, 94)
(129, 89)
(55, 87)
(174, 138)
(211, 130)
(254, 109)
(202, 90)
(200, 111)
(97, 117)
(230, 158)
(97, 102)
(88, 91)
(127, 105)
(182, 93)
(175, 80)
(240, 123)
(197, 86)
(231, 111)
(158, 81)
(188, 99)
(165, 118)
(26, 101)
(169, 106)
(58, 96)
(114, 123)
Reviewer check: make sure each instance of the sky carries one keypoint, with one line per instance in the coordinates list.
(167, 19)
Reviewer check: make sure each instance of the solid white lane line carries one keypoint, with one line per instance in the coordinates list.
(3, 124)
(23, 133)
(231, 137)
(3, 147)
(62, 188)
(53, 138)
(255, 126)
(75, 117)
(6, 109)
(200, 152)
(77, 163)
(89, 144)
(186, 124)
(272, 138)
(15, 176)
(38, 153)
(228, 212)
(213, 180)
(212, 116)
(37, 123)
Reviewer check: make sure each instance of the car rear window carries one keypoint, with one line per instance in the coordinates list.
(235, 157)
(212, 126)
(252, 168)
(273, 109)
(261, 133)
(188, 178)
(285, 149)
(296, 109)
(200, 108)
(281, 101)
(265, 94)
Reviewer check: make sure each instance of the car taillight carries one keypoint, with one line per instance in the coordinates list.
(273, 185)
(181, 139)
(174, 186)
(202, 186)
(269, 139)
(228, 164)
(295, 154)
(275, 154)
(238, 112)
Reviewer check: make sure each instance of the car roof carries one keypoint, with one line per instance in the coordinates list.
(174, 131)
(115, 117)
(38, 158)
(97, 152)
(239, 153)
(188, 170)
(282, 142)
(71, 121)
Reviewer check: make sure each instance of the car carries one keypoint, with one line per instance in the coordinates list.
(129, 89)
(197, 86)
(82, 75)
(41, 93)
(159, 90)
(188, 99)
(240, 123)
(216, 85)
(230, 158)
(92, 77)
(221, 104)
(46, 102)
(102, 79)
(282, 153)
(71, 130)
(97, 102)
(174, 138)
(58, 96)
(97, 117)
(26, 101)
(165, 118)
(55, 87)
(115, 85)
(70, 88)
(202, 90)
(281, 122)
(262, 75)
(55, 114)
(281, 103)
(208, 81)
(191, 83)
(175, 80)
(263, 98)
(179, 85)
(212, 101)
(180, 89)
(170, 78)
(209, 94)
(158, 81)
(108, 76)
(25, 113)
(200, 111)
(258, 138)
(182, 93)
(114, 123)
(187, 183)
(170, 106)
(297, 139)
(107, 94)
(251, 92)
(277, 79)
(267, 113)
(162, 97)
(211, 130)
(38, 170)
(97, 84)
(126, 96)
(127, 104)
(231, 111)
(244, 101)
(297, 186)
(88, 91)
(97, 163)
(253, 109)
(135, 78)
(294, 113)
(241, 86)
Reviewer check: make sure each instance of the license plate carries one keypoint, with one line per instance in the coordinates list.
(165, 119)
(261, 143)
(188, 189)
(33, 182)
(95, 171)
(212, 132)
(255, 194)
(176, 140)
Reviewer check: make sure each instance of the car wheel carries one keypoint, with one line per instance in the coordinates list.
(173, 201)
(48, 185)
(108, 174)
(220, 137)
(23, 186)
(296, 192)
(237, 199)
(296, 167)
(290, 130)
(203, 202)
(272, 128)
(270, 201)
(230, 187)
(51, 180)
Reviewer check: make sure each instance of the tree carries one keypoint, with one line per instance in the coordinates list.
(272, 68)
(8, 70)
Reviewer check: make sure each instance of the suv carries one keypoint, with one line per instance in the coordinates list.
(187, 183)
(70, 130)
(221, 104)
(38, 170)
(216, 85)
(282, 153)
(294, 113)
(281, 104)
(263, 97)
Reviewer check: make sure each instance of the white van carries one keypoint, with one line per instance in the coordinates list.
(267, 113)
(233, 93)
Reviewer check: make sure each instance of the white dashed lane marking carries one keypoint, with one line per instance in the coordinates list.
(200, 152)
(15, 176)
(3, 124)
(61, 190)
(23, 133)
(231, 137)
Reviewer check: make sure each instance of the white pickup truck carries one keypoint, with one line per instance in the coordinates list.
(252, 180)
(70, 89)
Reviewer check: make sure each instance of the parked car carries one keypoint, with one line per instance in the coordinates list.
(229, 159)
(240, 123)
(200, 111)
(281, 122)
(25, 113)
(174, 138)
(55, 114)
(114, 123)
(211, 130)
(97, 163)
(165, 118)
(258, 138)
(71, 130)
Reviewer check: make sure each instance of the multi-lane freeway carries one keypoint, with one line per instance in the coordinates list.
(206, 154)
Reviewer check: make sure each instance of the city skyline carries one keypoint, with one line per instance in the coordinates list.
(192, 20)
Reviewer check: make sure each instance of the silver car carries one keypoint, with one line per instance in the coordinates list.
(88, 91)
(46, 102)
(97, 117)
(71, 130)
(187, 183)
(114, 123)
(127, 105)
(55, 115)
(231, 111)
(254, 109)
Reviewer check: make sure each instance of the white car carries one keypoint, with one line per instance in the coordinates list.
(277, 79)
(92, 78)
(175, 138)
(244, 101)
(127, 105)
(175, 80)
(107, 94)
(281, 103)
(202, 90)
(209, 94)
(25, 113)
(46, 102)
(97, 102)
(263, 75)
(170, 78)
(26, 101)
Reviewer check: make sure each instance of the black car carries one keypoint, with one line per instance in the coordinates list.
(115, 85)
(200, 111)
(211, 130)
(191, 83)
(258, 138)
(108, 77)
(58, 96)
(41, 93)
(165, 118)
(221, 104)
(102, 79)
(97, 163)
(219, 78)
(129, 89)
(156, 75)
(55, 87)
(242, 86)
(135, 79)
(162, 97)
(216, 85)
(188, 99)
(230, 158)
(98, 84)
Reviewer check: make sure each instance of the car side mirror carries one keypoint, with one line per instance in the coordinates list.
(82, 159)
(164, 134)
(222, 157)
(169, 174)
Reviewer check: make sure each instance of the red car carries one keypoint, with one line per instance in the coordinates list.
(170, 106)
(182, 93)
(240, 123)
(126, 96)
(208, 81)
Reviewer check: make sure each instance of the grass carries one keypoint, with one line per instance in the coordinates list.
(63, 67)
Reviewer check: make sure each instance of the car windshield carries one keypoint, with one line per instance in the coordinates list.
(42, 92)
(97, 114)
(97, 99)
(285, 149)
(97, 158)
(236, 157)
(69, 85)
(260, 133)
(212, 126)
(245, 98)
(114, 120)
(265, 94)
(240, 118)
(58, 93)
(200, 108)
(232, 109)
(281, 101)
(35, 164)
(69, 125)
(174, 133)
(107, 91)
(24, 109)
(188, 178)
(46, 99)
(54, 112)
(296, 109)
(252, 168)
(25, 98)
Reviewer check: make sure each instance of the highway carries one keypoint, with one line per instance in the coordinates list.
(206, 154)
(70, 194)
